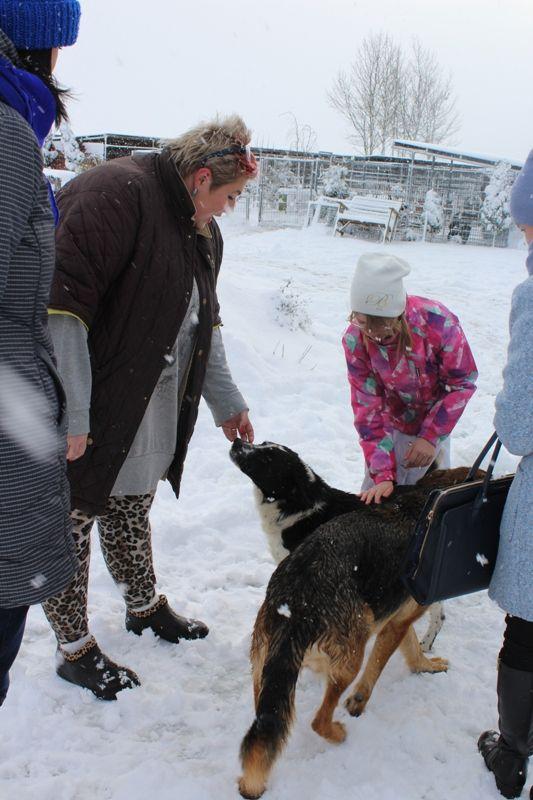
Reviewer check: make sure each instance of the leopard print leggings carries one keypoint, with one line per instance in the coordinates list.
(126, 543)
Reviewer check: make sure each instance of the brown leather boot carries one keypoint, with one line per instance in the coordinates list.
(91, 669)
(165, 623)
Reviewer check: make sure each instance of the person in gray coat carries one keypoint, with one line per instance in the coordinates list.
(36, 549)
(506, 753)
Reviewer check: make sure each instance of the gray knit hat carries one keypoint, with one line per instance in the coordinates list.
(377, 285)
(522, 194)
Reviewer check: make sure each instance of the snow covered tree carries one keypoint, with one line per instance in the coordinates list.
(63, 141)
(495, 215)
(334, 181)
(432, 214)
(68, 145)
(50, 152)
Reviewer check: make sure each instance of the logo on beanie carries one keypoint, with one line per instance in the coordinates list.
(378, 301)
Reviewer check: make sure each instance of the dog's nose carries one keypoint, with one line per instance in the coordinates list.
(237, 444)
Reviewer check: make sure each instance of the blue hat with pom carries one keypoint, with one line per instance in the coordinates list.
(522, 194)
(40, 24)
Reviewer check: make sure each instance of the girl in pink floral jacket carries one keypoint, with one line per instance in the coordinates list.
(411, 374)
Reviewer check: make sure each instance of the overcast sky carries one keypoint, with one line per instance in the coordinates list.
(156, 68)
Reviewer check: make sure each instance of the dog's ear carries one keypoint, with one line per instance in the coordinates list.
(306, 484)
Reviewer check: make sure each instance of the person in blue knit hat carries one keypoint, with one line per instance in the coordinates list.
(506, 752)
(37, 29)
(36, 549)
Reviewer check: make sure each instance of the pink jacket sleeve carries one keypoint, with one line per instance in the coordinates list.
(370, 418)
(457, 374)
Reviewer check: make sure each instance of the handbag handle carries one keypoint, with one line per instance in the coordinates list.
(475, 466)
(482, 496)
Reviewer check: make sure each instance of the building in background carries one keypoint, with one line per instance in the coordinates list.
(469, 191)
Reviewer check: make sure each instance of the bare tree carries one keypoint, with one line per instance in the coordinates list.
(428, 110)
(388, 94)
(368, 96)
(302, 138)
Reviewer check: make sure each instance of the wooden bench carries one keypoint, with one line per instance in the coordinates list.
(368, 211)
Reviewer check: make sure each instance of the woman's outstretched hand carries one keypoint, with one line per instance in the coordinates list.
(239, 425)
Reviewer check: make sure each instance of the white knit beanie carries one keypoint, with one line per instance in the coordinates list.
(377, 285)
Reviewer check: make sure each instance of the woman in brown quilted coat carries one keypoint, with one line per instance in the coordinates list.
(136, 329)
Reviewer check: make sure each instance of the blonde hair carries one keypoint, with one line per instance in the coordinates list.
(399, 325)
(190, 149)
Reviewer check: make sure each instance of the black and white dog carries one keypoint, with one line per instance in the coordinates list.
(337, 584)
(293, 501)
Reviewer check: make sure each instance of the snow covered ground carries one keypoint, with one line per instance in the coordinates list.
(177, 737)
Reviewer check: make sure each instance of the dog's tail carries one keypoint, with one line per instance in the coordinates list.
(281, 654)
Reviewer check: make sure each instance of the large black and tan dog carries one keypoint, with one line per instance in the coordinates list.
(337, 586)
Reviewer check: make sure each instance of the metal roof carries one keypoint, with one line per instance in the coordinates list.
(447, 153)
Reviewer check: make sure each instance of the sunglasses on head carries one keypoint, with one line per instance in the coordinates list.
(245, 157)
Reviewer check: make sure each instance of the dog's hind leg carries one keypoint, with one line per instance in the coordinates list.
(387, 640)
(436, 619)
(258, 653)
(338, 680)
(415, 658)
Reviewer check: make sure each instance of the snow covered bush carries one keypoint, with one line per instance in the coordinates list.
(50, 152)
(495, 215)
(68, 145)
(432, 214)
(291, 308)
(276, 173)
(334, 182)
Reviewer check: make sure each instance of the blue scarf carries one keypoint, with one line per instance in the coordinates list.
(28, 95)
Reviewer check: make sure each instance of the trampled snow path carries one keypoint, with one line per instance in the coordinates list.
(177, 737)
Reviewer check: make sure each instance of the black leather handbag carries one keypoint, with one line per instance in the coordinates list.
(455, 543)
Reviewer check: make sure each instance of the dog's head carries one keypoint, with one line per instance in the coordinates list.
(278, 472)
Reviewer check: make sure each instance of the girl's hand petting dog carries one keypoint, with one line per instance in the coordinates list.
(374, 495)
(239, 425)
(420, 454)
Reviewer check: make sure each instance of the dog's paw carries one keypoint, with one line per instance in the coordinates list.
(439, 664)
(432, 665)
(355, 704)
(335, 732)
